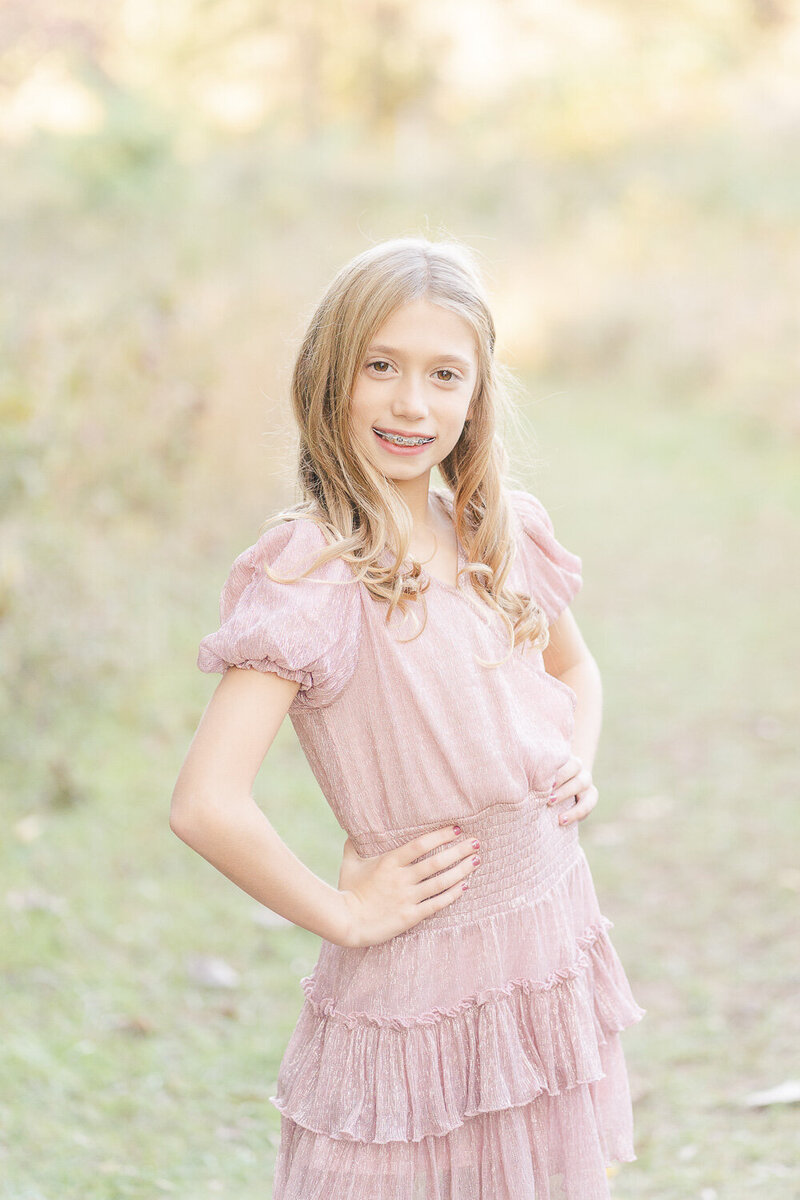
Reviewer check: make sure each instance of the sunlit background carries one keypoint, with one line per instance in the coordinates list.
(179, 183)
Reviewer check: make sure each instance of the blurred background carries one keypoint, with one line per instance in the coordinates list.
(179, 184)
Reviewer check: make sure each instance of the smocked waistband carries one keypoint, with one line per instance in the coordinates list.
(524, 852)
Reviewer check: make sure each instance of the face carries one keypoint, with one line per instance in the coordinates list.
(417, 378)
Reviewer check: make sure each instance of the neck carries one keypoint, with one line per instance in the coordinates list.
(416, 493)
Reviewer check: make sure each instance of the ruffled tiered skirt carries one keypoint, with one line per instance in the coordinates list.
(476, 1056)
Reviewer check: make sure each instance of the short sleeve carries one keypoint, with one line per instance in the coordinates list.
(307, 631)
(553, 572)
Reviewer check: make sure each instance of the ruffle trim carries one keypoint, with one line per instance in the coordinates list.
(302, 631)
(327, 1007)
(211, 663)
(357, 1077)
(555, 1146)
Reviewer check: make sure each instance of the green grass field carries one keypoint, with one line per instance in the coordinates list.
(124, 1077)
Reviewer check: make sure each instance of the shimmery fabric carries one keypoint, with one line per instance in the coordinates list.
(477, 1055)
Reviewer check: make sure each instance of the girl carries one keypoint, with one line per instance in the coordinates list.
(459, 1037)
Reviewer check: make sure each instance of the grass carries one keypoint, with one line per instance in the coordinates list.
(124, 1077)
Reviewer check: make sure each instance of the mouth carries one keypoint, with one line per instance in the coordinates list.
(399, 439)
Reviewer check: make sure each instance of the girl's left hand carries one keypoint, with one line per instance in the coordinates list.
(574, 781)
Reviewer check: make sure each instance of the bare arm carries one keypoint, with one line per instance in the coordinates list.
(214, 812)
(568, 658)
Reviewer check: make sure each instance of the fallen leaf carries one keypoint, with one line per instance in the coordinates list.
(212, 972)
(784, 1093)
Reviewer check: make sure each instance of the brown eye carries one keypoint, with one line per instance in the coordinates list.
(446, 371)
(379, 363)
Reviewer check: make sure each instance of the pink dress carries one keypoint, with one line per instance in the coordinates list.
(477, 1055)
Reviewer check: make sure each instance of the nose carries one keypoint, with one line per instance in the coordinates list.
(410, 399)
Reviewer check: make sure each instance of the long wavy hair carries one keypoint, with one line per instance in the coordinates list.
(361, 512)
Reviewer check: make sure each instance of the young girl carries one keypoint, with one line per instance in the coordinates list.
(459, 1037)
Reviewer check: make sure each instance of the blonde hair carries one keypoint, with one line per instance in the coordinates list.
(359, 510)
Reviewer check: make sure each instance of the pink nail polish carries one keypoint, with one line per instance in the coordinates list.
(456, 829)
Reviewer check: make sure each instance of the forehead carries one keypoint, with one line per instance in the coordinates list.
(425, 329)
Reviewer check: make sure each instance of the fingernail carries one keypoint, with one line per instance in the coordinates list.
(562, 820)
(456, 829)
(476, 845)
(476, 860)
(464, 886)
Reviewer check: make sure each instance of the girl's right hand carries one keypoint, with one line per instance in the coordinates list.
(388, 893)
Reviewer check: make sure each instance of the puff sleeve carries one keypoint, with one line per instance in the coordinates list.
(307, 631)
(553, 573)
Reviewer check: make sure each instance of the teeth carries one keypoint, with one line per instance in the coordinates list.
(403, 441)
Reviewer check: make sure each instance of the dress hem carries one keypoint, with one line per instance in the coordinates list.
(544, 1037)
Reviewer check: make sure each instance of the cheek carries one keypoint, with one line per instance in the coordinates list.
(362, 398)
(364, 410)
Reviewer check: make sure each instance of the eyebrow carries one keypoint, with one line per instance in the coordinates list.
(454, 358)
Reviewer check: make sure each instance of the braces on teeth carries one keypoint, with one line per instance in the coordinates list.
(403, 441)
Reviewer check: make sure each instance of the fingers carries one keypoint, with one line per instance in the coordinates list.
(409, 851)
(448, 856)
(586, 801)
(433, 903)
(573, 782)
(435, 883)
(571, 779)
(445, 869)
